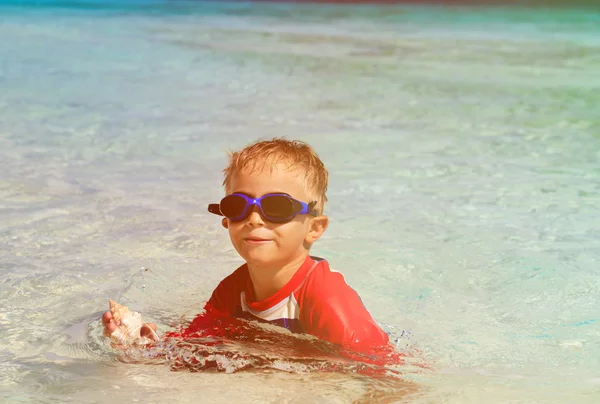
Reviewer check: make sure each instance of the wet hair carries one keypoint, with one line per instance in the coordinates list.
(297, 155)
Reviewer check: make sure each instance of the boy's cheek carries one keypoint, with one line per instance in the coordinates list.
(225, 223)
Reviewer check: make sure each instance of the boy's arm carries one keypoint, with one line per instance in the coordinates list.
(220, 300)
(221, 305)
(333, 311)
(226, 296)
(205, 322)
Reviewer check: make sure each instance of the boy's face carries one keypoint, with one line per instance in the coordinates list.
(260, 242)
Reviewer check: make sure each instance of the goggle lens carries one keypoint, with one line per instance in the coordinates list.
(278, 207)
(232, 206)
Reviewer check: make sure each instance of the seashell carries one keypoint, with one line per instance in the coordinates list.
(131, 330)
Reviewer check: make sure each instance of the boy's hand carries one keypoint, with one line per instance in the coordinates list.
(108, 323)
(110, 326)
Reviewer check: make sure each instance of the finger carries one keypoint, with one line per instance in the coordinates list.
(106, 318)
(109, 328)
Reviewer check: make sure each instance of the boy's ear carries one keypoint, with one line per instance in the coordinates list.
(225, 223)
(318, 225)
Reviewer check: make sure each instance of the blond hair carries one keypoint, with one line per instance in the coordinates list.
(294, 153)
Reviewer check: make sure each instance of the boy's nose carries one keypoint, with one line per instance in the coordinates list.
(255, 219)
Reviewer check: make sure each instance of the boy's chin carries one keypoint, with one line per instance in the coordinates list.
(262, 259)
(269, 261)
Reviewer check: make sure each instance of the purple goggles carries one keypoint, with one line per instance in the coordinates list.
(277, 208)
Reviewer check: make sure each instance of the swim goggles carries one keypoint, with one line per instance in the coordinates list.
(277, 208)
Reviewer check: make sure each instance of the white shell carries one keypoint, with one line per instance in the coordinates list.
(129, 327)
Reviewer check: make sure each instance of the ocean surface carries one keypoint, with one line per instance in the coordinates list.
(463, 144)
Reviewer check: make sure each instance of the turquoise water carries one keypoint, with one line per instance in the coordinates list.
(464, 150)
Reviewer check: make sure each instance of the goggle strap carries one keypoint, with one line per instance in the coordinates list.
(311, 207)
(215, 208)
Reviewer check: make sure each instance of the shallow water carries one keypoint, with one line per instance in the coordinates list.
(463, 145)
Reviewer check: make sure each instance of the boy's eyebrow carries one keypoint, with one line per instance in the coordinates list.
(268, 193)
(243, 193)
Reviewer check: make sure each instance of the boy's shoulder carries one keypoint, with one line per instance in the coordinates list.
(225, 297)
(333, 311)
(323, 282)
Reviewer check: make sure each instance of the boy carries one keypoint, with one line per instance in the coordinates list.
(273, 210)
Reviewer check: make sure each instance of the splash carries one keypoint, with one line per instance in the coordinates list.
(231, 345)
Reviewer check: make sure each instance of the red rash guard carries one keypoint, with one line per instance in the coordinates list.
(317, 300)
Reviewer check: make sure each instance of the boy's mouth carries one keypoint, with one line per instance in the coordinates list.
(256, 240)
